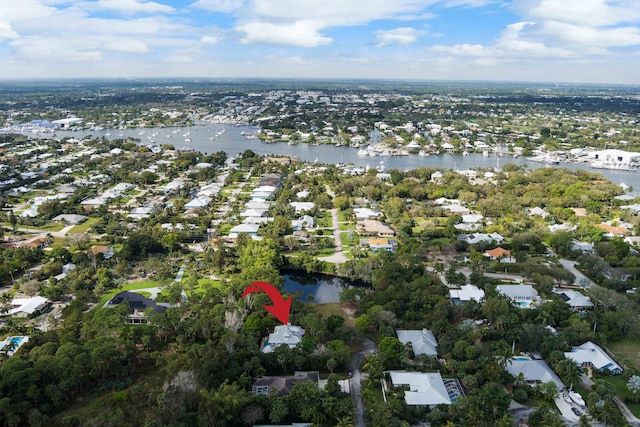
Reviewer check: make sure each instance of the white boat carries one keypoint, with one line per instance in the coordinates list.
(577, 398)
(423, 154)
(485, 153)
(187, 140)
(465, 153)
(363, 152)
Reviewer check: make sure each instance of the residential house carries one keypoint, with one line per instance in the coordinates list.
(456, 210)
(289, 335)
(142, 212)
(422, 341)
(366, 213)
(374, 227)
(522, 296)
(23, 307)
(470, 222)
(501, 255)
(574, 299)
(612, 231)
(585, 247)
(476, 238)
(533, 371)
(425, 389)
(305, 221)
(590, 354)
(141, 306)
(198, 202)
(465, 294)
(381, 244)
(251, 229)
(537, 211)
(72, 219)
(282, 386)
(554, 228)
(302, 206)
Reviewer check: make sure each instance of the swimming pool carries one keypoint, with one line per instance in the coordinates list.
(521, 358)
(11, 344)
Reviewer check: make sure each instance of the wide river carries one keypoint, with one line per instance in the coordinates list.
(210, 138)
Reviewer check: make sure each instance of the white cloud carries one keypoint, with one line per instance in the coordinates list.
(592, 13)
(401, 35)
(300, 23)
(299, 33)
(592, 37)
(179, 59)
(510, 44)
(53, 48)
(126, 46)
(131, 6)
(219, 5)
(6, 32)
(209, 40)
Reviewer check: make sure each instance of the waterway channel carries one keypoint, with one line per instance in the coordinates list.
(232, 139)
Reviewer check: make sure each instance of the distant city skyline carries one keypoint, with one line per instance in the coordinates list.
(585, 41)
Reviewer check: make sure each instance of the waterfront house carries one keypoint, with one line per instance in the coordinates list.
(289, 335)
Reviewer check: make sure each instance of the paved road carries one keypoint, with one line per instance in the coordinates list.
(581, 279)
(338, 256)
(369, 347)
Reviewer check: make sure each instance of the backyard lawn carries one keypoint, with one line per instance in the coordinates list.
(628, 352)
(133, 286)
(620, 383)
(85, 226)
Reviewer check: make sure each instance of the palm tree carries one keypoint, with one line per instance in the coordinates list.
(345, 421)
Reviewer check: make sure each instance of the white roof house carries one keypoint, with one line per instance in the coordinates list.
(590, 354)
(475, 238)
(366, 213)
(520, 295)
(574, 299)
(198, 202)
(173, 186)
(253, 213)
(534, 371)
(70, 218)
(289, 335)
(302, 206)
(245, 228)
(258, 204)
(537, 211)
(423, 341)
(425, 389)
(305, 221)
(466, 293)
(23, 307)
(142, 212)
(456, 210)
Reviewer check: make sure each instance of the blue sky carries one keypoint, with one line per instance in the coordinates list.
(581, 41)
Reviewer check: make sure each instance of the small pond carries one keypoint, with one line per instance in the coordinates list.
(315, 288)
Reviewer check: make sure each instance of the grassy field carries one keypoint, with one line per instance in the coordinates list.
(627, 351)
(143, 284)
(623, 392)
(85, 226)
(340, 308)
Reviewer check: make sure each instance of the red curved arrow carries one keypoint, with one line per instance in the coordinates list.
(280, 308)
